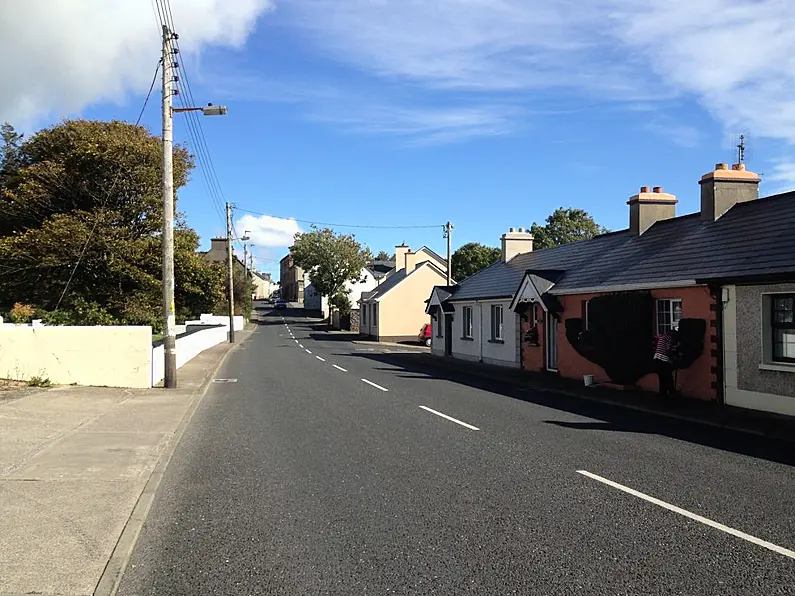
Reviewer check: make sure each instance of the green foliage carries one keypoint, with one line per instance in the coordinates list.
(384, 256)
(100, 180)
(471, 258)
(21, 313)
(243, 290)
(564, 226)
(343, 303)
(39, 381)
(331, 259)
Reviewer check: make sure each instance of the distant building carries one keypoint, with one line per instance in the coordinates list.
(264, 286)
(292, 280)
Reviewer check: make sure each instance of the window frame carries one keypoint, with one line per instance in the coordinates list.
(440, 320)
(467, 322)
(495, 326)
(374, 314)
(669, 325)
(775, 325)
(364, 315)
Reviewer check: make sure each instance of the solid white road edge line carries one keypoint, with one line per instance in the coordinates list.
(321, 359)
(339, 368)
(374, 385)
(706, 521)
(450, 418)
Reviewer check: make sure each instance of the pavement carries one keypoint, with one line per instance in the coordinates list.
(75, 464)
(324, 469)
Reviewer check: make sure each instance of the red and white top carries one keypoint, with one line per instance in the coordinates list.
(663, 349)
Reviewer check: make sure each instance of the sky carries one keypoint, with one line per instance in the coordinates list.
(405, 114)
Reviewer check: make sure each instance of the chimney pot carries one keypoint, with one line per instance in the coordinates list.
(644, 189)
(658, 189)
(511, 230)
(721, 166)
(738, 167)
(521, 230)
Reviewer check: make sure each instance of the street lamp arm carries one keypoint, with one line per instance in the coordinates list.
(208, 110)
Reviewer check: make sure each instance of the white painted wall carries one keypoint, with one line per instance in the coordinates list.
(480, 348)
(219, 320)
(106, 356)
(188, 347)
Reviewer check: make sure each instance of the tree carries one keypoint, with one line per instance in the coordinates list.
(330, 259)
(384, 256)
(564, 226)
(471, 258)
(82, 217)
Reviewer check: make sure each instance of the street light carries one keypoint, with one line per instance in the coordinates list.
(169, 322)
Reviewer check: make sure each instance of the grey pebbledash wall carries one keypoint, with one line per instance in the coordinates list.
(749, 343)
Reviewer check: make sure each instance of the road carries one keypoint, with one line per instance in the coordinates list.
(331, 468)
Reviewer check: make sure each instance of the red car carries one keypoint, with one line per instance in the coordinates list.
(425, 335)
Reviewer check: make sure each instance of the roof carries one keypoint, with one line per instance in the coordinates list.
(381, 268)
(394, 279)
(752, 239)
(435, 255)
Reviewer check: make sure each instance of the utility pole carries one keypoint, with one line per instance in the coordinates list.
(448, 233)
(169, 329)
(230, 267)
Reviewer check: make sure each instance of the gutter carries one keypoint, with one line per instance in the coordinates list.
(626, 287)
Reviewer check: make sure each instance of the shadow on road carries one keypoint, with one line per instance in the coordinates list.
(610, 417)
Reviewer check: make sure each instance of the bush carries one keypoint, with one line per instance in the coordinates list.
(38, 381)
(21, 313)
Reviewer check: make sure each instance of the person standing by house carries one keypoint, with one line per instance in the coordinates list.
(664, 362)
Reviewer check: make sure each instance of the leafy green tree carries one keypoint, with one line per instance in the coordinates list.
(471, 258)
(330, 259)
(82, 222)
(564, 226)
(384, 256)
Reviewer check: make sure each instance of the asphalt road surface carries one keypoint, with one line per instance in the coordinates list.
(332, 468)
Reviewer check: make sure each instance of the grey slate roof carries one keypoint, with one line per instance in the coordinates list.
(386, 285)
(753, 239)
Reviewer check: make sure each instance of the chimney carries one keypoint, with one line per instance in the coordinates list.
(724, 188)
(516, 243)
(411, 261)
(647, 208)
(400, 256)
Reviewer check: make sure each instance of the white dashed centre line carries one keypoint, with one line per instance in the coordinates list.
(450, 418)
(321, 359)
(375, 385)
(300, 346)
(706, 521)
(339, 368)
(307, 351)
(295, 340)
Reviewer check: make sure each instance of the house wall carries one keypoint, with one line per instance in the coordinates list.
(480, 347)
(402, 310)
(751, 380)
(699, 381)
(111, 356)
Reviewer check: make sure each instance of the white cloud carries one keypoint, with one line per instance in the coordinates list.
(736, 58)
(265, 230)
(63, 55)
(782, 177)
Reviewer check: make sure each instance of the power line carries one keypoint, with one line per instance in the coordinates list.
(152, 86)
(342, 225)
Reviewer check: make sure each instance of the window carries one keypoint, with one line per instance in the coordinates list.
(669, 313)
(468, 322)
(782, 321)
(586, 323)
(440, 323)
(374, 315)
(364, 314)
(496, 322)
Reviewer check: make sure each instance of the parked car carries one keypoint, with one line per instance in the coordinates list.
(280, 304)
(425, 335)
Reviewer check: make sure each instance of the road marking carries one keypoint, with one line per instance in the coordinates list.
(706, 521)
(321, 359)
(307, 351)
(450, 418)
(224, 380)
(295, 340)
(300, 345)
(339, 368)
(374, 385)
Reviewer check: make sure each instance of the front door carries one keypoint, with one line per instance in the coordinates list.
(552, 342)
(448, 334)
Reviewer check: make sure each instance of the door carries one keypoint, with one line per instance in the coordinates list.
(448, 334)
(552, 342)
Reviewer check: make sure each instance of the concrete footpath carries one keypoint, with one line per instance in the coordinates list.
(78, 469)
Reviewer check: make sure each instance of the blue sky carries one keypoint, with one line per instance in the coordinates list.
(489, 113)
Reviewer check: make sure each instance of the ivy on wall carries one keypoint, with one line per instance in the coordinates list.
(620, 336)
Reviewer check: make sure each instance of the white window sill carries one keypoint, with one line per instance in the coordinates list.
(778, 366)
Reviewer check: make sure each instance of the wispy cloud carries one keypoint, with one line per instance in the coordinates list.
(736, 58)
(678, 133)
(782, 178)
